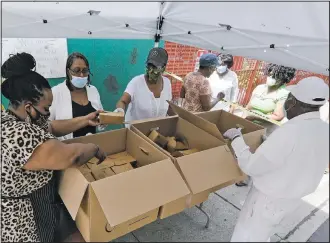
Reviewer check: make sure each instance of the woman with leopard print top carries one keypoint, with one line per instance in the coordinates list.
(30, 154)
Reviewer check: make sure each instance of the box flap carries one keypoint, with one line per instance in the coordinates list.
(110, 142)
(209, 168)
(72, 189)
(197, 121)
(130, 194)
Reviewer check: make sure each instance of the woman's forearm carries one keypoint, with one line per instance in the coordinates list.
(121, 104)
(276, 117)
(61, 128)
(84, 153)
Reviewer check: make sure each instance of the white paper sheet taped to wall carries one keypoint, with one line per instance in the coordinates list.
(50, 53)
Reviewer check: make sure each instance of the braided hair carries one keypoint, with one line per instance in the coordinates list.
(21, 82)
(281, 73)
(71, 58)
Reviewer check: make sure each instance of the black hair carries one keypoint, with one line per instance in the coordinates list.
(22, 83)
(228, 59)
(204, 67)
(71, 58)
(282, 73)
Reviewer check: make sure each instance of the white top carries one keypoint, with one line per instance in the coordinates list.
(228, 84)
(143, 104)
(61, 108)
(291, 162)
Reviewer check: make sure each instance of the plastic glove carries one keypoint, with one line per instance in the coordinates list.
(119, 110)
(233, 133)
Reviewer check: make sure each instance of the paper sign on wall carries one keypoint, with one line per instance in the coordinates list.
(50, 53)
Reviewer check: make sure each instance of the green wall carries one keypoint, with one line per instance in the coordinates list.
(122, 59)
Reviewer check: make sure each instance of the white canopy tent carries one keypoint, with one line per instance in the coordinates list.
(294, 34)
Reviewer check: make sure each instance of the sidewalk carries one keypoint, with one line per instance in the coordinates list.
(224, 207)
(322, 233)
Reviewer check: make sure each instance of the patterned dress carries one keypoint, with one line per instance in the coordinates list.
(27, 197)
(195, 85)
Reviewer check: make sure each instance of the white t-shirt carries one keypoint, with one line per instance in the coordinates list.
(228, 84)
(143, 104)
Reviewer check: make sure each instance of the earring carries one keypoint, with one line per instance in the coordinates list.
(28, 119)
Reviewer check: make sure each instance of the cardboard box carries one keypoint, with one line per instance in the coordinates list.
(112, 118)
(204, 171)
(114, 206)
(218, 122)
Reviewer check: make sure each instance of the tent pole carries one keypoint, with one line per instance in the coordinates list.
(160, 22)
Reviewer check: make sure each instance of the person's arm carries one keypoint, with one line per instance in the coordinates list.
(208, 102)
(127, 96)
(205, 95)
(170, 111)
(124, 101)
(234, 94)
(61, 128)
(55, 155)
(183, 92)
(255, 164)
(261, 161)
(278, 113)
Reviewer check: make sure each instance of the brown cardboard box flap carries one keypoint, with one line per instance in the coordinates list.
(130, 194)
(223, 120)
(210, 168)
(72, 188)
(197, 121)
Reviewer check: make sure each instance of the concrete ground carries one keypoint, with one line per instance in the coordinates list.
(310, 222)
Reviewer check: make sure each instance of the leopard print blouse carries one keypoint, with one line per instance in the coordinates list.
(18, 141)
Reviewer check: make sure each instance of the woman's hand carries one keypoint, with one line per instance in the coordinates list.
(220, 96)
(92, 119)
(100, 155)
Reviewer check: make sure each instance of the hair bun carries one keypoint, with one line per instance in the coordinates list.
(17, 65)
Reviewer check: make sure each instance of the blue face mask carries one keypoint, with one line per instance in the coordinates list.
(222, 69)
(79, 82)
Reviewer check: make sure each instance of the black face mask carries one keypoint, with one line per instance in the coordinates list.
(41, 120)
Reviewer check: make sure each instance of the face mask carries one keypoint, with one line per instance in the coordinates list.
(79, 82)
(270, 81)
(222, 69)
(154, 74)
(41, 120)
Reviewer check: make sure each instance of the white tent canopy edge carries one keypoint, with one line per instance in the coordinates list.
(294, 34)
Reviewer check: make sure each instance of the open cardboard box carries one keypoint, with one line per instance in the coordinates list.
(219, 121)
(206, 171)
(114, 206)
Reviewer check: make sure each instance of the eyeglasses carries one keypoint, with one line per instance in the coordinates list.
(156, 69)
(78, 71)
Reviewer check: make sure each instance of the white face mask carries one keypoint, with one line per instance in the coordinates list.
(270, 81)
(79, 82)
(222, 69)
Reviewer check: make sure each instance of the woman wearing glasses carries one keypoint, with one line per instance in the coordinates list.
(146, 95)
(75, 97)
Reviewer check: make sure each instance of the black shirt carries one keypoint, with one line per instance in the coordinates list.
(81, 110)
